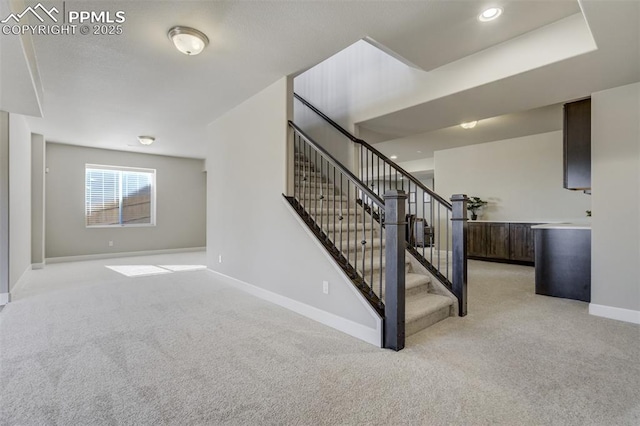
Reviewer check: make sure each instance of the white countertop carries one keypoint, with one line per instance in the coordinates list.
(584, 226)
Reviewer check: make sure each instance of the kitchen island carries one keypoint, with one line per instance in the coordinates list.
(563, 260)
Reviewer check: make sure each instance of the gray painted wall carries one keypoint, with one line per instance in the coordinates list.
(38, 161)
(521, 178)
(180, 217)
(248, 223)
(615, 181)
(4, 207)
(19, 198)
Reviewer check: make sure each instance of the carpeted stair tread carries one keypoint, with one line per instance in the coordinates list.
(425, 309)
(413, 284)
(414, 281)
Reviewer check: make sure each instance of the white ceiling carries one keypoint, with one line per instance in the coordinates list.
(432, 125)
(103, 91)
(508, 126)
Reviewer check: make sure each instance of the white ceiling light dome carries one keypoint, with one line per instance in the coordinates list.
(469, 124)
(490, 14)
(146, 140)
(188, 40)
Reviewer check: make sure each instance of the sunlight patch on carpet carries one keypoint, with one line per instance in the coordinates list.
(180, 268)
(138, 270)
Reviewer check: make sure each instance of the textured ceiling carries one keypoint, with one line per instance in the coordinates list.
(103, 91)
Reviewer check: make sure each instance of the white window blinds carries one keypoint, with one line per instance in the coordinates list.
(118, 196)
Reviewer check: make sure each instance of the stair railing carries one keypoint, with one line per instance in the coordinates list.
(364, 233)
(437, 230)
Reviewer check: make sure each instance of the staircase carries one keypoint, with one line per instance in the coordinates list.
(406, 253)
(358, 240)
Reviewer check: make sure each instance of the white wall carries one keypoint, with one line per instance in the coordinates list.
(521, 178)
(38, 164)
(19, 198)
(180, 204)
(363, 82)
(250, 226)
(615, 177)
(4, 208)
(341, 86)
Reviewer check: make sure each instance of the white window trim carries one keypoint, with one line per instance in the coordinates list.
(126, 169)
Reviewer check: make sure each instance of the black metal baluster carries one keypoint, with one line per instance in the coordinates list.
(364, 237)
(448, 224)
(371, 240)
(439, 234)
(349, 221)
(361, 163)
(315, 188)
(303, 164)
(322, 196)
(381, 251)
(333, 211)
(341, 213)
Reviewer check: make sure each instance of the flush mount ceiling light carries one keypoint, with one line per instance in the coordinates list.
(188, 40)
(469, 124)
(394, 157)
(490, 14)
(146, 140)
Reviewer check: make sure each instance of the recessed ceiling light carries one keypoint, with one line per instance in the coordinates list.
(188, 40)
(394, 157)
(469, 124)
(490, 14)
(146, 140)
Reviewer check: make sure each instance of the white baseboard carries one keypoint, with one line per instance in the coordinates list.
(21, 280)
(331, 260)
(5, 298)
(51, 260)
(369, 335)
(620, 314)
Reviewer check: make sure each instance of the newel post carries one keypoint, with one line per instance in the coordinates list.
(395, 244)
(459, 256)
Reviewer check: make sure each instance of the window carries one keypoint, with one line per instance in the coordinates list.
(119, 196)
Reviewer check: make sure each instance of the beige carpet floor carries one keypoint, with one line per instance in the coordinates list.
(84, 345)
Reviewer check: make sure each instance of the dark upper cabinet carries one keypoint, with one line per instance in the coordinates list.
(577, 145)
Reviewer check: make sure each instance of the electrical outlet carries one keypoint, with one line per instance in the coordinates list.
(219, 258)
(325, 287)
(110, 243)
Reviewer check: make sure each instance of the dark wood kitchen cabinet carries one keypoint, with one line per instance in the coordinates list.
(498, 240)
(577, 145)
(476, 240)
(501, 242)
(522, 245)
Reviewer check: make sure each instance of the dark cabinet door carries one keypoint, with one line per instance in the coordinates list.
(577, 145)
(521, 242)
(476, 239)
(498, 240)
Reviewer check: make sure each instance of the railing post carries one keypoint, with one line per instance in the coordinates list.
(395, 244)
(459, 256)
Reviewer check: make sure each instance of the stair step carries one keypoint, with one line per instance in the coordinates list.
(425, 309)
(314, 184)
(377, 265)
(327, 197)
(352, 225)
(348, 245)
(413, 283)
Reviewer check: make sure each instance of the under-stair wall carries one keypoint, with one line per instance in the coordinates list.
(263, 246)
